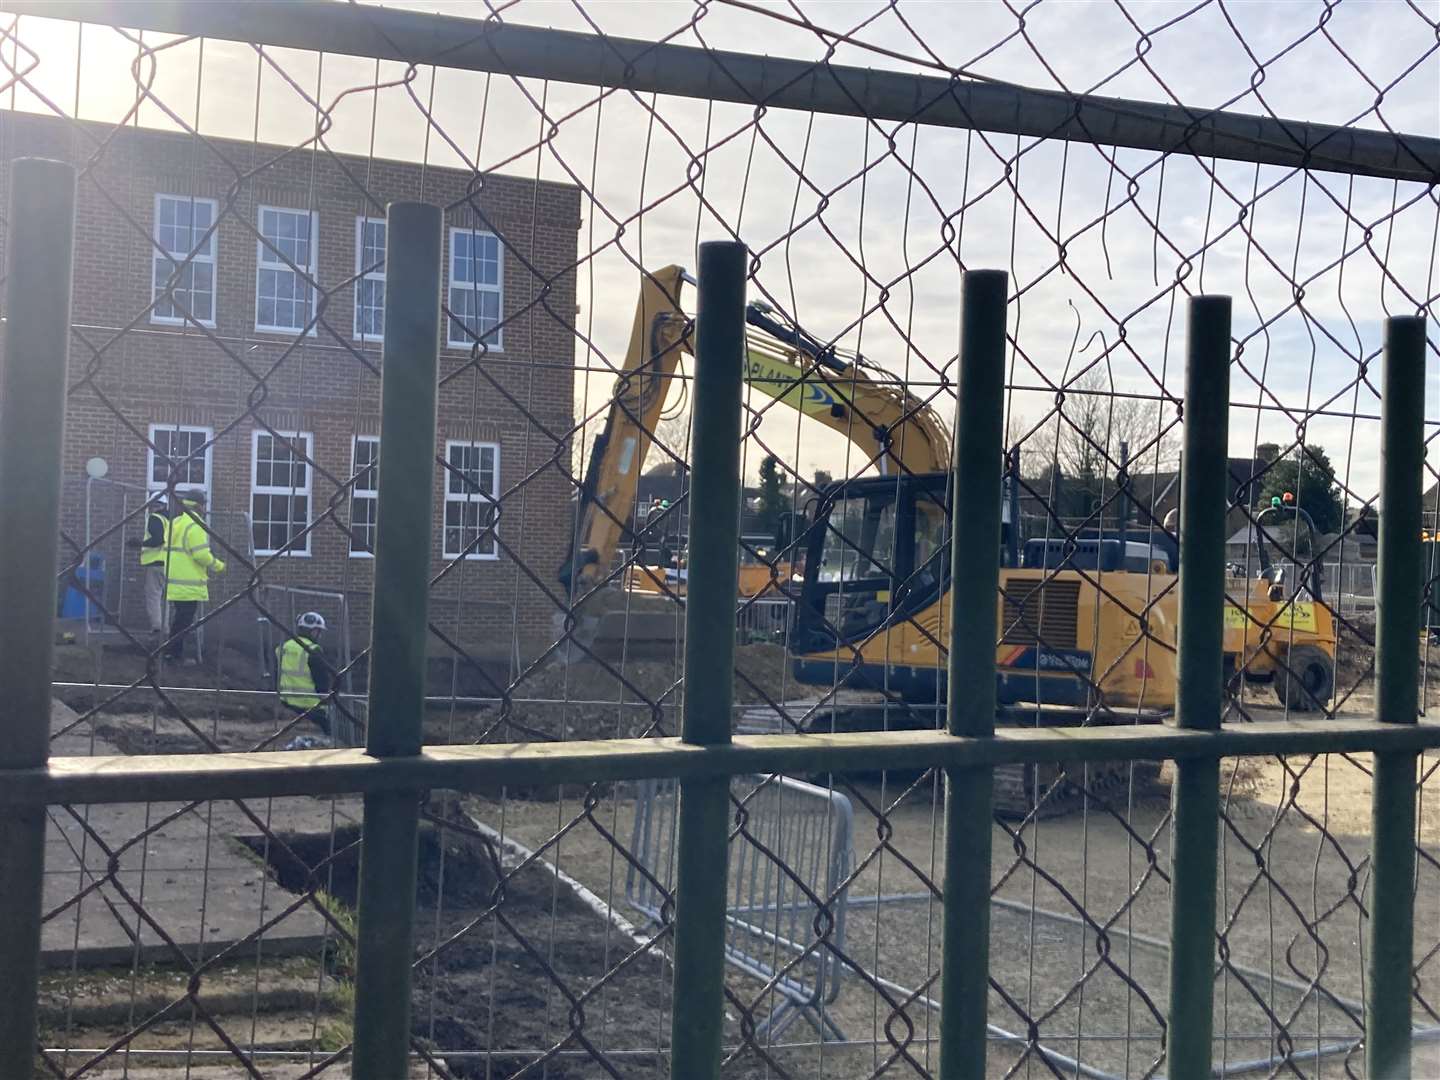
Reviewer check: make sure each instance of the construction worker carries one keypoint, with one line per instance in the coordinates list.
(302, 676)
(152, 562)
(649, 522)
(662, 533)
(188, 566)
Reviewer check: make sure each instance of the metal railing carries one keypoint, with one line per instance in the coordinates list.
(764, 619)
(789, 863)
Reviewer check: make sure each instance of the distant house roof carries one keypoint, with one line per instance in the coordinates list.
(1242, 537)
(1160, 491)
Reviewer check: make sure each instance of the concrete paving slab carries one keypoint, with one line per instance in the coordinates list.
(182, 864)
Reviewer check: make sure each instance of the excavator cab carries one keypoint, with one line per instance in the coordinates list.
(873, 610)
(872, 604)
(876, 566)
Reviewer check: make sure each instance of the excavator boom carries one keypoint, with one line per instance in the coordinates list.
(895, 430)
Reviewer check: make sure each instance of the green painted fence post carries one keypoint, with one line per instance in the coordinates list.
(32, 438)
(389, 837)
(975, 537)
(702, 847)
(1195, 801)
(1397, 676)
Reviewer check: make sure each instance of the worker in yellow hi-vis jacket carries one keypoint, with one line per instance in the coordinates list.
(189, 563)
(302, 676)
(152, 563)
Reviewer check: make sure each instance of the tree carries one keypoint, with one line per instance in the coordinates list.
(772, 496)
(1035, 450)
(672, 433)
(823, 477)
(1093, 424)
(1310, 477)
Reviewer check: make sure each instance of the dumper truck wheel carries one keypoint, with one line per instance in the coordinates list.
(1310, 681)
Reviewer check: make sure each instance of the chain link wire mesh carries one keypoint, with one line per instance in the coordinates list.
(228, 314)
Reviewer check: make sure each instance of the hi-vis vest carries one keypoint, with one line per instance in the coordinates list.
(187, 559)
(149, 556)
(296, 685)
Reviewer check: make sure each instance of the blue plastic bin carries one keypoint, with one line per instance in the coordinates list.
(92, 577)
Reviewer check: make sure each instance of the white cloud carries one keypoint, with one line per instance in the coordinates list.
(866, 221)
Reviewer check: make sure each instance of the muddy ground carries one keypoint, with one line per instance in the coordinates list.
(1295, 843)
(519, 974)
(1295, 847)
(228, 698)
(511, 954)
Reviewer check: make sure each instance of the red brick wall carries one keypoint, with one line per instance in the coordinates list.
(126, 370)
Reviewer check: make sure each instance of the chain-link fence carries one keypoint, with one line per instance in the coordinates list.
(233, 314)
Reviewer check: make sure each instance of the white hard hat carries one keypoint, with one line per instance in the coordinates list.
(311, 620)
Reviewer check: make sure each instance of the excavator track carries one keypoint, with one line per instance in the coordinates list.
(1021, 791)
(1053, 791)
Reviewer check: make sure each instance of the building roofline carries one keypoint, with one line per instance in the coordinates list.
(279, 149)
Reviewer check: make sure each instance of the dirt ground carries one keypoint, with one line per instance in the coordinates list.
(509, 962)
(517, 971)
(1295, 847)
(1078, 933)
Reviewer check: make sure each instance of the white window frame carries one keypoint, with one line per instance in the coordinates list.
(371, 494)
(361, 274)
(308, 450)
(212, 259)
(464, 341)
(261, 248)
(466, 498)
(153, 485)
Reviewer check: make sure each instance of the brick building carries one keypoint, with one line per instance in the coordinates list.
(267, 393)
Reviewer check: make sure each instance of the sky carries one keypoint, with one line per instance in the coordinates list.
(861, 230)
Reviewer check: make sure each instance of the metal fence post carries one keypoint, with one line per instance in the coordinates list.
(32, 437)
(386, 914)
(1195, 826)
(975, 537)
(702, 846)
(1397, 674)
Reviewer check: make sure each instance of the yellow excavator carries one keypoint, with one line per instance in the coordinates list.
(1086, 624)
(895, 431)
(1081, 621)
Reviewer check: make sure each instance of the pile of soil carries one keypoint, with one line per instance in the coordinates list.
(120, 663)
(138, 734)
(526, 949)
(589, 699)
(1354, 651)
(759, 672)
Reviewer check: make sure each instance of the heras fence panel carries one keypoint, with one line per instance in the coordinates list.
(789, 865)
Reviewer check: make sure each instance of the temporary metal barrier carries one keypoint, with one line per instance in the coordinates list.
(790, 858)
(763, 619)
(1353, 585)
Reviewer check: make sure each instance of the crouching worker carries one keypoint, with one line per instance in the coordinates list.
(302, 678)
